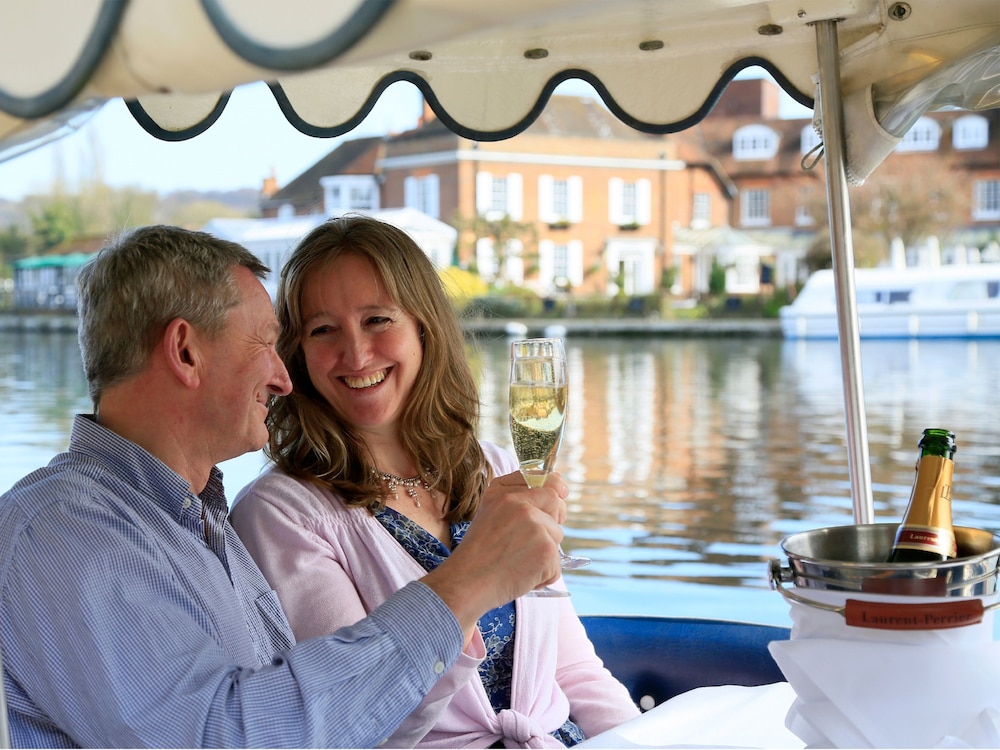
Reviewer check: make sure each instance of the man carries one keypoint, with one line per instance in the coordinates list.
(132, 615)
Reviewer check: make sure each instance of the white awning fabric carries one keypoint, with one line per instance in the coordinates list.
(486, 68)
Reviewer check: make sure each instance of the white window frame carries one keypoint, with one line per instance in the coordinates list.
(486, 260)
(970, 132)
(986, 200)
(924, 135)
(755, 207)
(423, 194)
(560, 198)
(489, 265)
(491, 205)
(809, 139)
(743, 274)
(638, 214)
(755, 141)
(638, 262)
(548, 213)
(549, 274)
(349, 193)
(701, 210)
(803, 209)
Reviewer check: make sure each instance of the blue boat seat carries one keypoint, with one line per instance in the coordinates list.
(657, 658)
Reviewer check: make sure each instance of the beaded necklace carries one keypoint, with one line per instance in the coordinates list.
(410, 485)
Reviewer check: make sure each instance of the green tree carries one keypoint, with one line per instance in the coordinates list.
(717, 278)
(14, 244)
(897, 200)
(57, 221)
(197, 214)
(505, 234)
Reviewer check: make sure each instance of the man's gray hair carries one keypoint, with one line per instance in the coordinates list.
(131, 290)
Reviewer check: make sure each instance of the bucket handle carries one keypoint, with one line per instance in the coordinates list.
(890, 616)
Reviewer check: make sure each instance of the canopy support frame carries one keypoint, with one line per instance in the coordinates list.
(842, 252)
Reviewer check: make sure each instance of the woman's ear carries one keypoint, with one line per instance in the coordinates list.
(181, 350)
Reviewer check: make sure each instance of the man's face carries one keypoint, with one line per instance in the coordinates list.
(243, 371)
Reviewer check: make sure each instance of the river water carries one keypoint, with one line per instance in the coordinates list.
(689, 460)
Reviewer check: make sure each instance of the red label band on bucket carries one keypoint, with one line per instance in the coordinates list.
(888, 616)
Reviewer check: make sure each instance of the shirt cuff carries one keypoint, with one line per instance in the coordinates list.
(417, 617)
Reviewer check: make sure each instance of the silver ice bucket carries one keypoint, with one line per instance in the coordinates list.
(851, 559)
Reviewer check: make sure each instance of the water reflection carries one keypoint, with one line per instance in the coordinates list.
(41, 386)
(689, 459)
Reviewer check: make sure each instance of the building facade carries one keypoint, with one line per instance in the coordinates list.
(579, 201)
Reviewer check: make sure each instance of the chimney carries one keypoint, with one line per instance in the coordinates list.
(750, 97)
(427, 115)
(270, 186)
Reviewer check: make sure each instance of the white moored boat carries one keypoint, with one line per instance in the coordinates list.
(955, 301)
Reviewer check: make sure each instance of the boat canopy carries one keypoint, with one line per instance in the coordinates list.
(486, 69)
(868, 68)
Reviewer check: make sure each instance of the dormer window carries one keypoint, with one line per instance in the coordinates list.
(923, 136)
(809, 138)
(349, 193)
(754, 142)
(970, 132)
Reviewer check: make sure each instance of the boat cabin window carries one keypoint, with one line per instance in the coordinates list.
(974, 289)
(882, 296)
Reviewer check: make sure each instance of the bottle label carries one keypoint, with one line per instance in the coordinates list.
(927, 539)
(927, 526)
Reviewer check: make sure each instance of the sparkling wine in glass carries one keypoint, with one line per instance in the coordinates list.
(538, 395)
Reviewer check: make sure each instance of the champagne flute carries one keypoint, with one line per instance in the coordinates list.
(538, 397)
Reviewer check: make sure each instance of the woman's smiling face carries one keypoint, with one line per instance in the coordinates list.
(362, 351)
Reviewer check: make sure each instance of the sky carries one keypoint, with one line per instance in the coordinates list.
(228, 156)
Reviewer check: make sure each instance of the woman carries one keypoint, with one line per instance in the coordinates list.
(378, 473)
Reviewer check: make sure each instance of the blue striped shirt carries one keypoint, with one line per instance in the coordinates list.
(127, 620)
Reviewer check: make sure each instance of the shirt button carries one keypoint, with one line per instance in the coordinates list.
(186, 503)
(438, 667)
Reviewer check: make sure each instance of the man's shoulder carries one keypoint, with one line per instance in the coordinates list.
(58, 482)
(53, 514)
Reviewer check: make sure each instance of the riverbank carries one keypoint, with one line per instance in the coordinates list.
(40, 321)
(495, 327)
(624, 327)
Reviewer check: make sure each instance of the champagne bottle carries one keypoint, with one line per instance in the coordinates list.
(926, 533)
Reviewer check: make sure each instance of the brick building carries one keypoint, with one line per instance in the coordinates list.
(610, 208)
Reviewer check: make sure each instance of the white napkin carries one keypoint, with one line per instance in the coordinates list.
(724, 716)
(862, 687)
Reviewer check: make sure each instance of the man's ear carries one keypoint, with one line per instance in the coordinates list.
(181, 349)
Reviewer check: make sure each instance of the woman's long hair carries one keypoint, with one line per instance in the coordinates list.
(438, 424)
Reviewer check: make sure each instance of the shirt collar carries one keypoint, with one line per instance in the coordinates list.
(142, 470)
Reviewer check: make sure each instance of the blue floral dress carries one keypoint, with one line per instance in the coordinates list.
(497, 626)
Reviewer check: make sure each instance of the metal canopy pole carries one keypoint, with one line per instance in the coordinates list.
(4, 720)
(842, 250)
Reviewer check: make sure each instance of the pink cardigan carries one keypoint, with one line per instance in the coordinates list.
(332, 565)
